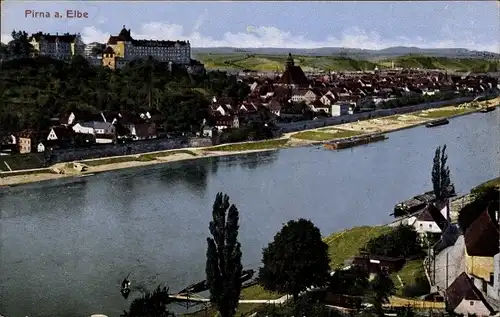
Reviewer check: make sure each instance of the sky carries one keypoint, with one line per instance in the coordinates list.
(473, 25)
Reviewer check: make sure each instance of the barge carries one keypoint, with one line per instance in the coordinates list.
(417, 203)
(355, 141)
(437, 123)
(488, 109)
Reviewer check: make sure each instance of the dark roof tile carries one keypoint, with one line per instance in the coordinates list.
(481, 236)
(463, 288)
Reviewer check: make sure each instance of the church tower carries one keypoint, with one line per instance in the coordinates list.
(289, 62)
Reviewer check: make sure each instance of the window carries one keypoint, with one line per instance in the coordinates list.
(430, 225)
(421, 225)
(471, 303)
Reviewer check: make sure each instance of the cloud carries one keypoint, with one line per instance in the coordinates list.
(269, 36)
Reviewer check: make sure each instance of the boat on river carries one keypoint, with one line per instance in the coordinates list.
(437, 123)
(202, 286)
(488, 109)
(355, 141)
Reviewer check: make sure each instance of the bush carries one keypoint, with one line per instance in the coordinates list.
(403, 242)
(418, 288)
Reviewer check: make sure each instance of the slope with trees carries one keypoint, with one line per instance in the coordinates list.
(35, 89)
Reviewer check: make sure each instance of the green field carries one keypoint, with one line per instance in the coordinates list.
(346, 244)
(324, 136)
(261, 62)
(20, 162)
(250, 146)
(436, 114)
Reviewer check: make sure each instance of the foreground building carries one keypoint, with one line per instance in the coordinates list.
(57, 46)
(123, 48)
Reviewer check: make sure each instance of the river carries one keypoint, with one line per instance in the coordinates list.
(65, 247)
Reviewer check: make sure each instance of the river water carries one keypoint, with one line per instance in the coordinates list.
(65, 247)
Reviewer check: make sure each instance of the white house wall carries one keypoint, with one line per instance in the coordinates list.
(426, 227)
(478, 308)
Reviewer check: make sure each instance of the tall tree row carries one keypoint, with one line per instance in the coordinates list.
(224, 267)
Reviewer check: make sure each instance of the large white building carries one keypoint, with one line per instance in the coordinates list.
(57, 46)
(123, 48)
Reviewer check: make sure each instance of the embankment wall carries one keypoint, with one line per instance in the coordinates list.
(313, 124)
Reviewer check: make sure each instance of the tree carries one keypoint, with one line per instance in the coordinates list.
(402, 242)
(383, 288)
(20, 45)
(353, 282)
(224, 267)
(295, 260)
(441, 182)
(151, 304)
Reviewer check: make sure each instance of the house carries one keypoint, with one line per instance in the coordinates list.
(275, 107)
(312, 95)
(375, 263)
(299, 96)
(104, 132)
(60, 135)
(340, 109)
(481, 246)
(143, 131)
(464, 298)
(8, 143)
(40, 147)
(27, 141)
(327, 99)
(318, 106)
(227, 122)
(430, 221)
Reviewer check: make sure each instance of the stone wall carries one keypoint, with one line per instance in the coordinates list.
(66, 155)
(313, 124)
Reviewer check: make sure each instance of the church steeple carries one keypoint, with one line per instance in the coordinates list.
(289, 61)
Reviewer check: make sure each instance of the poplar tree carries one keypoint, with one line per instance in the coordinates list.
(224, 267)
(441, 182)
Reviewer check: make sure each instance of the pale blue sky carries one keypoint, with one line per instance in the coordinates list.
(375, 25)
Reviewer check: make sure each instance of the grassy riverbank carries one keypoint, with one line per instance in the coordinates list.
(250, 146)
(319, 135)
(482, 187)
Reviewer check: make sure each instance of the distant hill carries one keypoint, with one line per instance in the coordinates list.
(276, 61)
(355, 52)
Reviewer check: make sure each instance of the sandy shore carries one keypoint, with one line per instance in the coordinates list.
(378, 125)
(392, 123)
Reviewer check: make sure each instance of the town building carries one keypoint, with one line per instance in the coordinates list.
(123, 48)
(464, 298)
(57, 46)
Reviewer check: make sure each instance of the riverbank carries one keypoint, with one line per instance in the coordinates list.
(303, 138)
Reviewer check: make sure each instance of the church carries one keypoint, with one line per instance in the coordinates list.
(293, 75)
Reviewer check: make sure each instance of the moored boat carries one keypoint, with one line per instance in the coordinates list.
(347, 143)
(488, 109)
(437, 123)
